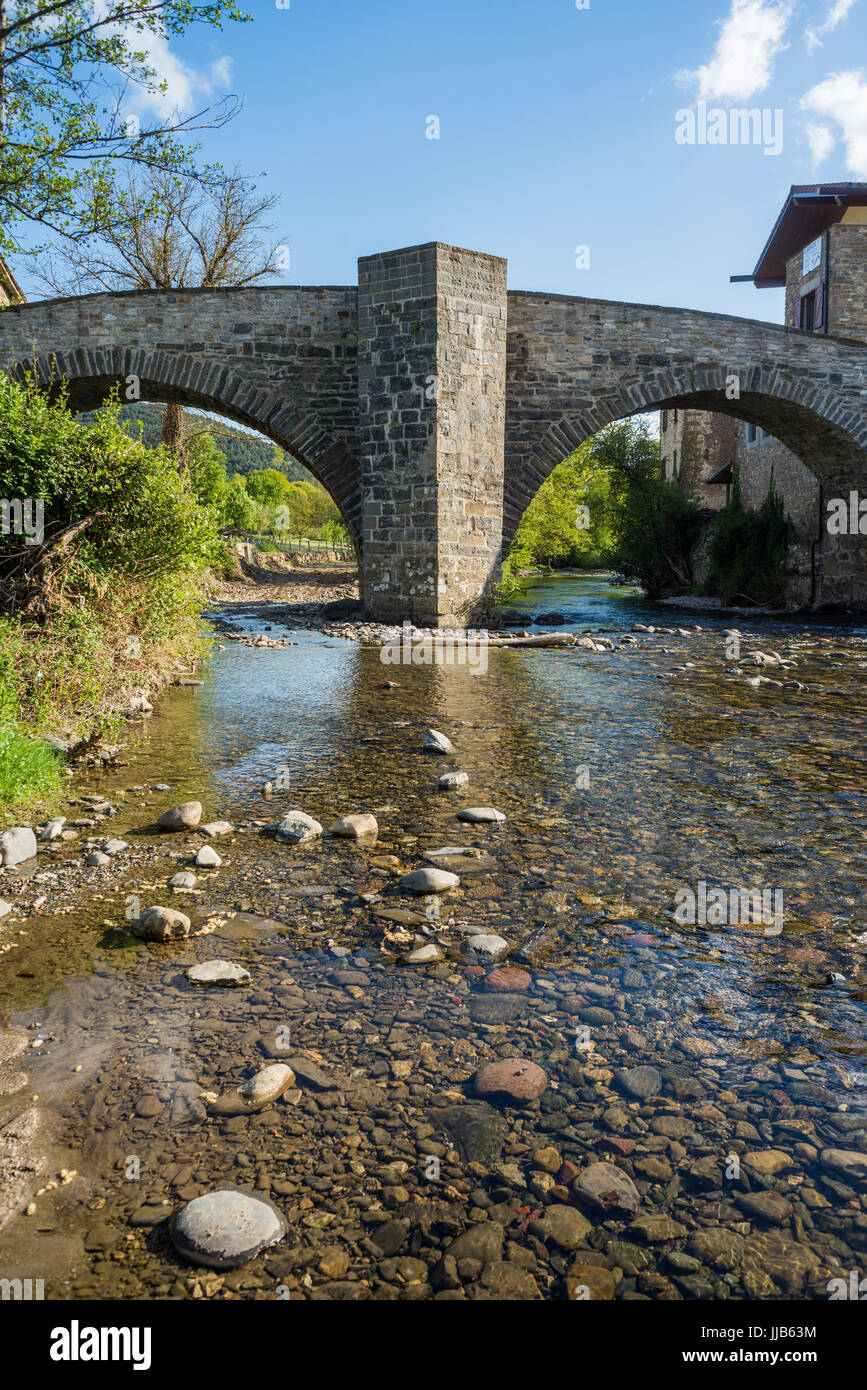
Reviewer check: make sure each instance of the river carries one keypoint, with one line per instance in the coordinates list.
(721, 1067)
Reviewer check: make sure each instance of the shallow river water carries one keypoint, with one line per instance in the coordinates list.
(720, 1067)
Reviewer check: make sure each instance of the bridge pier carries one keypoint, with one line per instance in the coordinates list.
(432, 399)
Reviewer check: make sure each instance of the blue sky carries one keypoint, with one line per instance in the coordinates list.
(556, 130)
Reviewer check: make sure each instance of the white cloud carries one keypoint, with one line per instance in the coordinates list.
(749, 41)
(837, 14)
(821, 141)
(842, 99)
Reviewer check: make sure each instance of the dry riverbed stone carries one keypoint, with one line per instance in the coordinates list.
(17, 846)
(225, 1228)
(215, 828)
(515, 1079)
(185, 816)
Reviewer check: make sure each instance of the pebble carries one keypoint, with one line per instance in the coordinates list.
(215, 828)
(429, 881)
(218, 972)
(208, 858)
(97, 859)
(161, 924)
(17, 846)
(481, 815)
(603, 1187)
(487, 944)
(113, 847)
(435, 742)
(183, 879)
(225, 1228)
(450, 781)
(296, 826)
(423, 955)
(184, 816)
(514, 1077)
(506, 980)
(268, 1084)
(355, 827)
(562, 1225)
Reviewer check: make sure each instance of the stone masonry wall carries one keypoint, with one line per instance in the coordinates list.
(432, 337)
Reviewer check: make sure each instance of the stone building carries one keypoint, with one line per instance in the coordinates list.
(817, 252)
(695, 447)
(10, 290)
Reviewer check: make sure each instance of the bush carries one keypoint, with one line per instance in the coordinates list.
(749, 549)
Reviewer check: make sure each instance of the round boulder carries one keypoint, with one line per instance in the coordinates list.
(225, 1228)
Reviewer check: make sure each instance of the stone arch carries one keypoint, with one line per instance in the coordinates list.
(821, 427)
(92, 373)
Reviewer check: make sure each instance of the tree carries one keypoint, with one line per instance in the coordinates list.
(69, 72)
(174, 233)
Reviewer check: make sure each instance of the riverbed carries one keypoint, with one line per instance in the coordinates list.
(719, 1067)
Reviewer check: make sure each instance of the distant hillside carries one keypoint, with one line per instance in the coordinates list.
(245, 453)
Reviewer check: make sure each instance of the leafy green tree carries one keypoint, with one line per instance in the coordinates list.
(67, 71)
(749, 549)
(268, 486)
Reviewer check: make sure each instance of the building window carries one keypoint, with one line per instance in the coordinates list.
(664, 421)
(810, 310)
(675, 416)
(674, 464)
(752, 434)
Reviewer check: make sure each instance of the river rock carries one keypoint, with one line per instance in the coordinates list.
(268, 1084)
(184, 816)
(450, 781)
(5, 909)
(429, 881)
(423, 955)
(477, 1130)
(113, 847)
(848, 1163)
(51, 830)
(483, 1243)
(17, 846)
(654, 1229)
(161, 924)
(435, 742)
(295, 827)
(606, 1188)
(184, 879)
(481, 815)
(216, 828)
(563, 1226)
(771, 1207)
(505, 979)
(487, 944)
(218, 972)
(225, 1228)
(515, 1078)
(638, 1082)
(208, 858)
(592, 1283)
(355, 827)
(97, 860)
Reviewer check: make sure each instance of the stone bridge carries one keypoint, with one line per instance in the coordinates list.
(432, 403)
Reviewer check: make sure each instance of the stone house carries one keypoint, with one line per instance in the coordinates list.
(817, 252)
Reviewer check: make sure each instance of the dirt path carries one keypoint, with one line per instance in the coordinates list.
(281, 580)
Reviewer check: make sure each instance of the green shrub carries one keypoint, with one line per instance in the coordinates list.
(749, 550)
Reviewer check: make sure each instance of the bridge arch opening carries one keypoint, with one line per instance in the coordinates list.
(214, 389)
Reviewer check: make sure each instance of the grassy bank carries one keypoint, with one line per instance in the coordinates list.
(103, 605)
